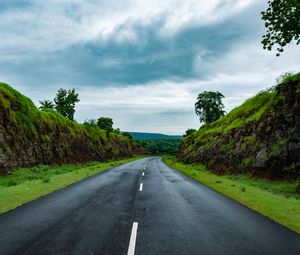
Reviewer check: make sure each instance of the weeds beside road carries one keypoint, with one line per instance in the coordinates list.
(27, 184)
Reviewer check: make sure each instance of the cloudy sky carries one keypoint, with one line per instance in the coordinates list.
(141, 62)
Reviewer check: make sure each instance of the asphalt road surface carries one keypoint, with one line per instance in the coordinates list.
(143, 207)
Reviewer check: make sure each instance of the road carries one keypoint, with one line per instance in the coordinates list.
(142, 207)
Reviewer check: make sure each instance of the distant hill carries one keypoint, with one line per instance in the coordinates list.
(148, 136)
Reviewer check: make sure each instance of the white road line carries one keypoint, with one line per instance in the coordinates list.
(132, 241)
(141, 186)
(143, 174)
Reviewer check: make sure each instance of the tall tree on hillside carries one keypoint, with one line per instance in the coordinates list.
(46, 104)
(65, 102)
(105, 124)
(209, 106)
(188, 132)
(282, 21)
(90, 122)
(128, 135)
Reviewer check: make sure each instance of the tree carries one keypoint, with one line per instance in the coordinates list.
(90, 122)
(189, 132)
(65, 102)
(117, 131)
(46, 104)
(128, 135)
(105, 124)
(209, 106)
(282, 21)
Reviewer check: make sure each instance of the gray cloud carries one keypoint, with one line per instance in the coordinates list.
(16, 4)
(143, 66)
(152, 56)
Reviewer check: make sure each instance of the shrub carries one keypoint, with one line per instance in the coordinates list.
(243, 189)
(285, 77)
(11, 183)
(46, 180)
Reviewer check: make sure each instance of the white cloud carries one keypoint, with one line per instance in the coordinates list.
(154, 106)
(51, 25)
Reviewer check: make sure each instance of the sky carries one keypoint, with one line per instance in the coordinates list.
(140, 62)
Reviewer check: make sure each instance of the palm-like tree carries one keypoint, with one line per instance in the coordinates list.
(46, 104)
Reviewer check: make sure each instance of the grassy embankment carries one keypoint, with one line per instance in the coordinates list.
(261, 136)
(30, 136)
(278, 200)
(27, 184)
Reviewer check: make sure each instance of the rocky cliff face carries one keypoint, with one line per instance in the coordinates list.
(29, 136)
(262, 136)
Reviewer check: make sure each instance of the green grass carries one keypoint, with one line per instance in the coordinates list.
(278, 200)
(252, 110)
(27, 123)
(27, 184)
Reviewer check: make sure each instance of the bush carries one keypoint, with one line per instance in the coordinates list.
(11, 183)
(243, 188)
(46, 180)
(285, 77)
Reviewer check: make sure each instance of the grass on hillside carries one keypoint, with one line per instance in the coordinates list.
(22, 111)
(251, 110)
(278, 200)
(27, 184)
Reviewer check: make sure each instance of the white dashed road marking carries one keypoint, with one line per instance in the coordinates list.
(141, 186)
(132, 241)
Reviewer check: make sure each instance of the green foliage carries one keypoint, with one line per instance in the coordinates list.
(288, 77)
(279, 148)
(189, 132)
(285, 77)
(32, 136)
(128, 135)
(118, 131)
(209, 106)
(46, 139)
(65, 102)
(247, 162)
(243, 189)
(161, 146)
(149, 136)
(46, 104)
(251, 110)
(26, 184)
(282, 24)
(46, 180)
(105, 124)
(254, 137)
(91, 123)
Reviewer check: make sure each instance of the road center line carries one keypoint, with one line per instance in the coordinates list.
(132, 241)
(141, 186)
(143, 174)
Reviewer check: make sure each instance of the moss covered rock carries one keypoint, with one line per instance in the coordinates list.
(30, 137)
(262, 136)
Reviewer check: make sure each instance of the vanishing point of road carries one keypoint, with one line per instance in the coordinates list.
(143, 207)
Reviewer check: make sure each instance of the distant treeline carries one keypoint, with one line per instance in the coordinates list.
(150, 136)
(161, 146)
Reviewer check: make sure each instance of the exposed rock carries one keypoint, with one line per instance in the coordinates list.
(261, 158)
(29, 136)
(265, 140)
